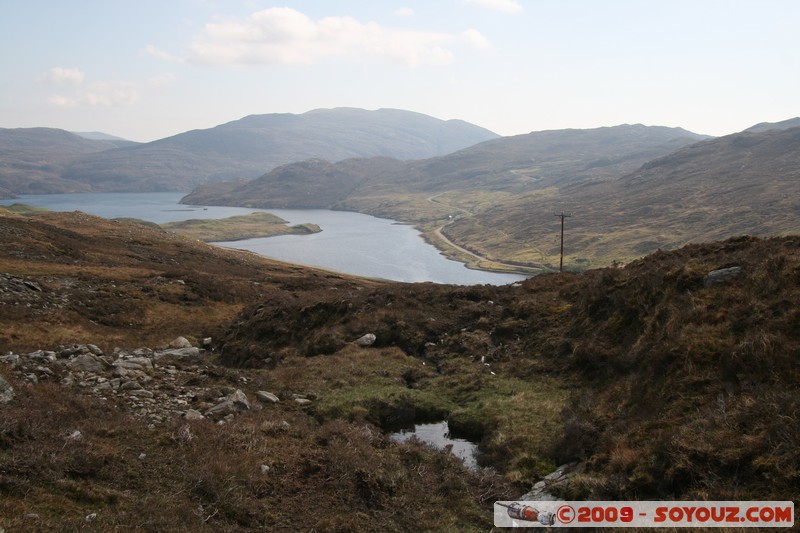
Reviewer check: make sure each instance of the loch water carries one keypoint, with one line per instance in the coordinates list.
(351, 243)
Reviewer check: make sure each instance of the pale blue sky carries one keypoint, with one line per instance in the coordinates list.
(147, 69)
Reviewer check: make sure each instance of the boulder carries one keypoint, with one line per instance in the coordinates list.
(86, 362)
(722, 276)
(267, 397)
(6, 391)
(180, 342)
(366, 340)
(235, 402)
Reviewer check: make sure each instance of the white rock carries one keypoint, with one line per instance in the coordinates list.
(366, 340)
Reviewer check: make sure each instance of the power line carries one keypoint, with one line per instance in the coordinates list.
(563, 216)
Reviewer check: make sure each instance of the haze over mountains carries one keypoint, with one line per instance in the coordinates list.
(37, 161)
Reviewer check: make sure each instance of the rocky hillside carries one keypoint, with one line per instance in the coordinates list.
(671, 378)
(244, 148)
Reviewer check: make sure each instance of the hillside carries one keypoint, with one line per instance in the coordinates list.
(666, 379)
(40, 160)
(746, 183)
(506, 166)
(255, 144)
(32, 159)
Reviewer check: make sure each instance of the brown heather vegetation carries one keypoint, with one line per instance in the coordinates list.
(668, 388)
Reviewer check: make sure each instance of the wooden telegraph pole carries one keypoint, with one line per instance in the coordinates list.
(561, 263)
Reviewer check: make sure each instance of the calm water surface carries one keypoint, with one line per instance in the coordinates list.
(349, 242)
(438, 435)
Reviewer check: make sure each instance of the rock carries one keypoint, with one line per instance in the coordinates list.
(141, 393)
(302, 401)
(177, 352)
(267, 397)
(264, 469)
(722, 276)
(75, 435)
(180, 342)
(9, 359)
(86, 363)
(366, 340)
(560, 476)
(6, 391)
(234, 403)
(193, 414)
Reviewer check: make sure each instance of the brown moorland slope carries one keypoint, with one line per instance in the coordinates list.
(667, 385)
(746, 183)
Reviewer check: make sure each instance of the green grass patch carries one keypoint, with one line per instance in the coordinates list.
(237, 228)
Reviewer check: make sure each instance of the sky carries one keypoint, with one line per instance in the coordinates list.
(149, 69)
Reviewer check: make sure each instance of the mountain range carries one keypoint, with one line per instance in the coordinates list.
(630, 190)
(35, 160)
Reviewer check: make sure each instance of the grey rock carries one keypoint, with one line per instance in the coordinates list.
(86, 362)
(141, 393)
(9, 359)
(267, 397)
(366, 340)
(6, 391)
(193, 414)
(177, 352)
(302, 401)
(180, 342)
(233, 403)
(722, 276)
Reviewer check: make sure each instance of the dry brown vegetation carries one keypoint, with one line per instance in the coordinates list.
(668, 388)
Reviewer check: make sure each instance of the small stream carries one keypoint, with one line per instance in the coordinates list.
(438, 435)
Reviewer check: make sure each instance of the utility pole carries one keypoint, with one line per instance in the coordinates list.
(563, 216)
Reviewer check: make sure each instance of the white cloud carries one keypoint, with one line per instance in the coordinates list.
(476, 38)
(63, 76)
(283, 35)
(506, 6)
(404, 12)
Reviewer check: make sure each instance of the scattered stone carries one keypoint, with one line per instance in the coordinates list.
(75, 435)
(6, 391)
(91, 517)
(267, 397)
(142, 456)
(722, 276)
(366, 340)
(264, 469)
(302, 401)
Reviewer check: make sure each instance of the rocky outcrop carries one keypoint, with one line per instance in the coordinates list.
(156, 384)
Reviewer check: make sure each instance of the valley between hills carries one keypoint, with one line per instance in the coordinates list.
(152, 382)
(674, 377)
